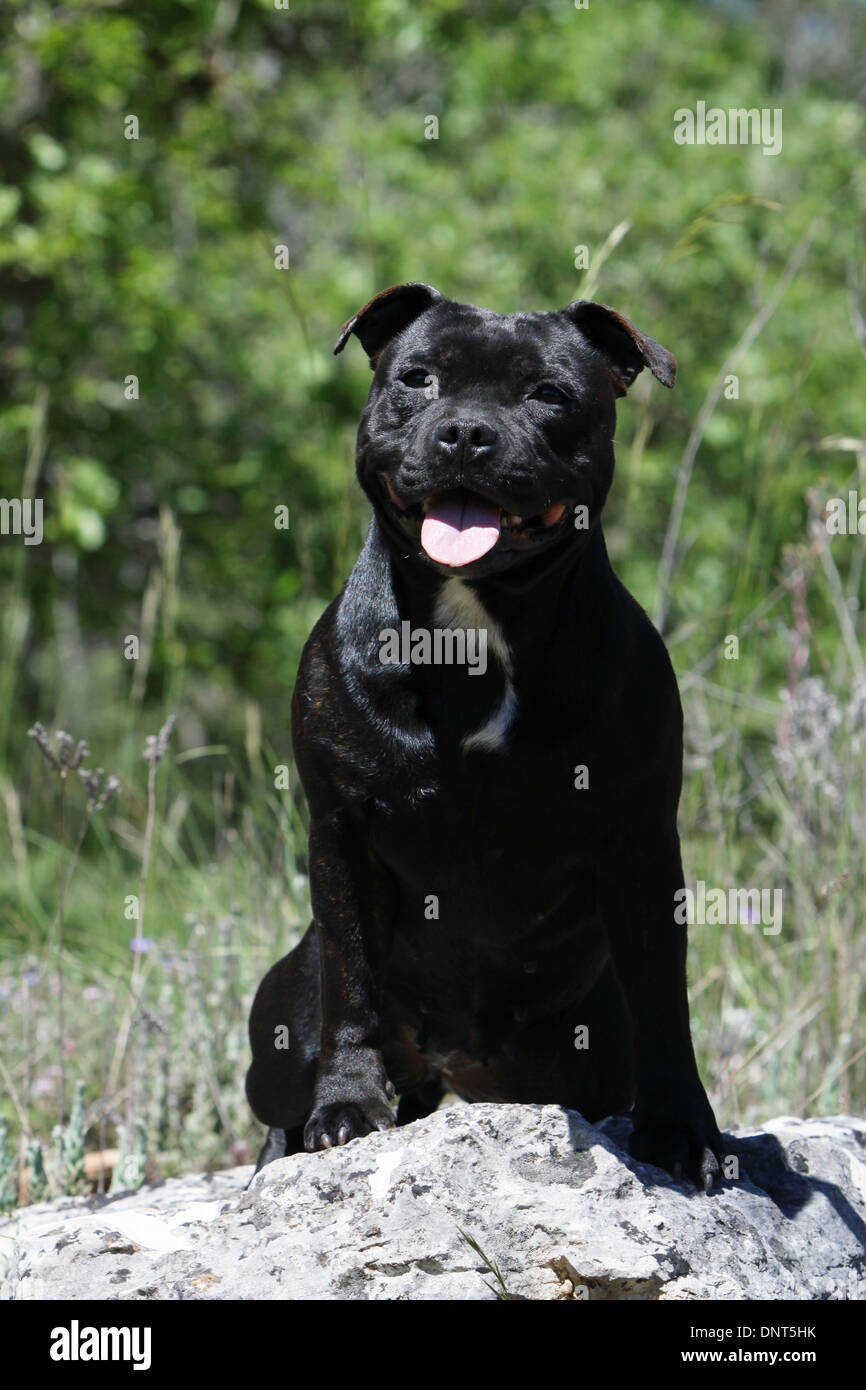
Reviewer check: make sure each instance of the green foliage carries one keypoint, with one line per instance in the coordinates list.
(69, 1148)
(500, 1289)
(38, 1187)
(154, 258)
(8, 1169)
(129, 1171)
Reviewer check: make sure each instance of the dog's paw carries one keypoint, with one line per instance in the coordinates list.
(681, 1152)
(679, 1133)
(336, 1123)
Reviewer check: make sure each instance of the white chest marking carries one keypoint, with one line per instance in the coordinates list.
(458, 606)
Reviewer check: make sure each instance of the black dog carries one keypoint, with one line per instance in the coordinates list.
(493, 843)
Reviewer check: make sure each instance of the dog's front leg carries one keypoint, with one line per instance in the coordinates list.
(674, 1126)
(352, 1092)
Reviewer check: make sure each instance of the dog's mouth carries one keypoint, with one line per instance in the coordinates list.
(456, 527)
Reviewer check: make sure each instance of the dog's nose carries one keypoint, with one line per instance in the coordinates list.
(471, 438)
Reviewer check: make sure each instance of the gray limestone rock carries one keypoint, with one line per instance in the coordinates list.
(553, 1202)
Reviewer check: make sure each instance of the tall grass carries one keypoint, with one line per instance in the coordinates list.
(155, 1025)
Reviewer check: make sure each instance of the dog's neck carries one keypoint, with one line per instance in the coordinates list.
(521, 609)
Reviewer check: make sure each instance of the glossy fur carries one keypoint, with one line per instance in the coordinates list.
(428, 784)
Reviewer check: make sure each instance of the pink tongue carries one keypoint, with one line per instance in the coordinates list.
(459, 528)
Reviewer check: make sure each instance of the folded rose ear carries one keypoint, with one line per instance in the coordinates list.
(626, 349)
(387, 314)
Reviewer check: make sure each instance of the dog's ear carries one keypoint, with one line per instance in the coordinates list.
(626, 349)
(387, 313)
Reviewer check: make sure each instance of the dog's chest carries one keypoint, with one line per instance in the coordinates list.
(494, 836)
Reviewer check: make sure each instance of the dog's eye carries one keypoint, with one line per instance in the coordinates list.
(418, 376)
(551, 395)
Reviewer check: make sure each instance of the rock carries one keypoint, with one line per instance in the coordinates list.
(552, 1201)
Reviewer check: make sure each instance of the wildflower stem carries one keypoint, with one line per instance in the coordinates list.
(61, 1075)
(155, 752)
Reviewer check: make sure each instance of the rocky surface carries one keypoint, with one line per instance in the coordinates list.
(552, 1201)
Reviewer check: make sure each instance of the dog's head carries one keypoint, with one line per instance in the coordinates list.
(487, 439)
